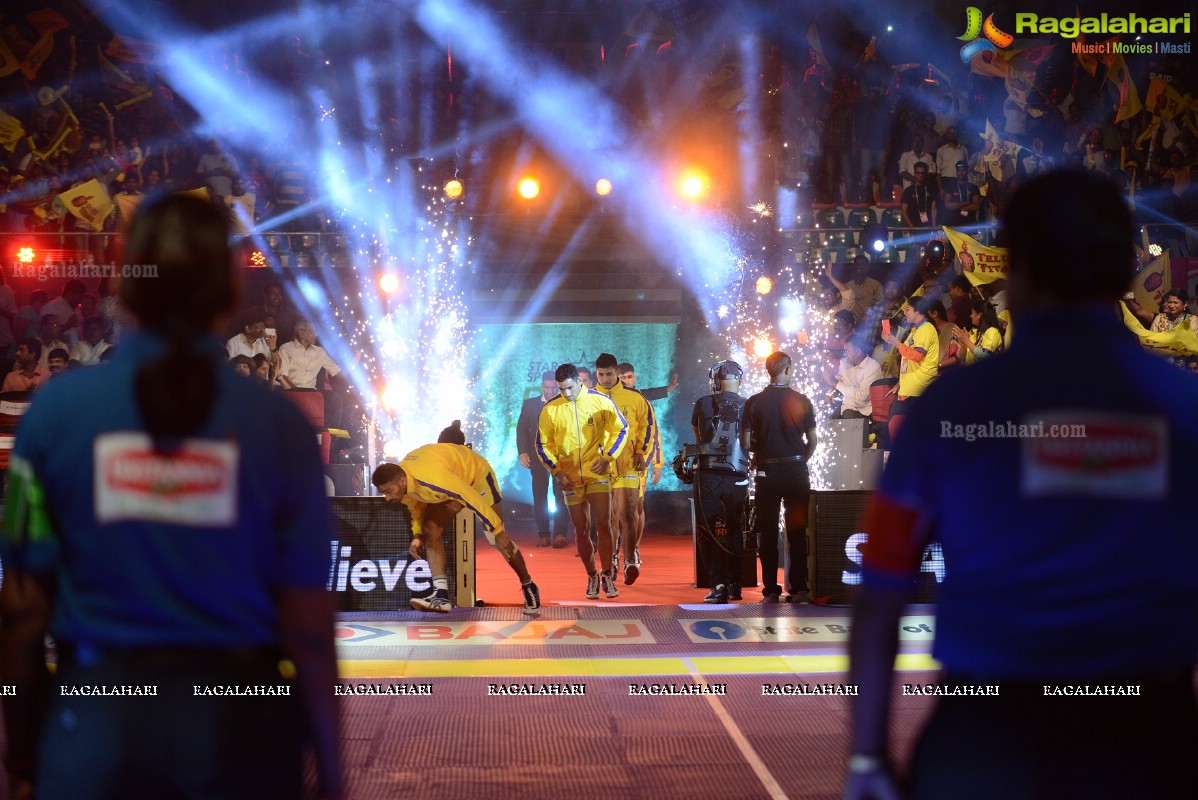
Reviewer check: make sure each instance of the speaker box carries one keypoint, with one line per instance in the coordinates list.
(835, 555)
(371, 568)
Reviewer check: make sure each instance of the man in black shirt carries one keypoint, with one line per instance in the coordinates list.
(721, 481)
(919, 200)
(542, 483)
(962, 199)
(779, 429)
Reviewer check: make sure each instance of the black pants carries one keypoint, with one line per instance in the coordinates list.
(1027, 745)
(542, 484)
(720, 497)
(177, 744)
(777, 484)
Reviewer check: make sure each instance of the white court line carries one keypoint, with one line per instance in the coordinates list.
(772, 787)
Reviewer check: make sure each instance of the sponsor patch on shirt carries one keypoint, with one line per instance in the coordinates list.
(1086, 453)
(195, 485)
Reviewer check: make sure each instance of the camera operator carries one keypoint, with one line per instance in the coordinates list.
(721, 482)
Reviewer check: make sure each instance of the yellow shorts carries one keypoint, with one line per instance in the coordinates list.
(644, 481)
(592, 484)
(627, 480)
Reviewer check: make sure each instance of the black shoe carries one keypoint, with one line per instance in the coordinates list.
(543, 540)
(734, 591)
(718, 594)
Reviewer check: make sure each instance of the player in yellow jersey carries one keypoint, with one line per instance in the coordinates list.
(579, 437)
(630, 466)
(436, 482)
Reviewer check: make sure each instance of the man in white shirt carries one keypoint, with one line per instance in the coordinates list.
(249, 342)
(300, 362)
(916, 155)
(947, 156)
(301, 359)
(853, 378)
(89, 349)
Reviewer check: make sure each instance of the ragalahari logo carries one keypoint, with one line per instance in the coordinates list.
(981, 37)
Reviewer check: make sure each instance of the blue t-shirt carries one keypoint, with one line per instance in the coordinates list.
(1065, 555)
(184, 549)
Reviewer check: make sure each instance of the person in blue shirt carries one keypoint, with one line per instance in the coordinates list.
(1041, 477)
(174, 542)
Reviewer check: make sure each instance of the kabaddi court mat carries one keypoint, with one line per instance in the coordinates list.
(470, 736)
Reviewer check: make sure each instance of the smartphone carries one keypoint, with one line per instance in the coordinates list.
(885, 327)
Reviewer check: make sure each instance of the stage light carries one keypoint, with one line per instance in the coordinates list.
(762, 347)
(529, 188)
(1155, 250)
(392, 449)
(453, 189)
(603, 187)
(765, 285)
(389, 282)
(25, 255)
(257, 259)
(693, 185)
(874, 237)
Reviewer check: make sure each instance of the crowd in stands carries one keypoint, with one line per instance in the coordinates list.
(867, 320)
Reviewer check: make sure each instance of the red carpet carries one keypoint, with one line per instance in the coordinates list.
(667, 575)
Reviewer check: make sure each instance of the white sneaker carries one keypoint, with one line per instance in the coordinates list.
(593, 586)
(608, 580)
(434, 603)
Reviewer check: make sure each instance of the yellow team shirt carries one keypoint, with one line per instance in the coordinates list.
(635, 409)
(438, 473)
(914, 378)
(571, 435)
(992, 340)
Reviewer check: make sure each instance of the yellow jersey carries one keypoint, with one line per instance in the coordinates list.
(439, 473)
(572, 434)
(635, 409)
(992, 342)
(915, 377)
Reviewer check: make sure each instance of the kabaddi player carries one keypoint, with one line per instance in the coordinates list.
(436, 482)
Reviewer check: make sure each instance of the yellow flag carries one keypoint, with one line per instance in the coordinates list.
(979, 263)
(1163, 100)
(1181, 341)
(1151, 283)
(11, 131)
(1129, 96)
(89, 203)
(1002, 157)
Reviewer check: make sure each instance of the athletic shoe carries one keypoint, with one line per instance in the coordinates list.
(435, 603)
(799, 597)
(543, 540)
(593, 586)
(615, 563)
(559, 542)
(718, 594)
(734, 591)
(632, 571)
(608, 580)
(532, 598)
(772, 599)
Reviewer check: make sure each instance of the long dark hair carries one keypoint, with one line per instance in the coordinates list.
(178, 280)
(989, 318)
